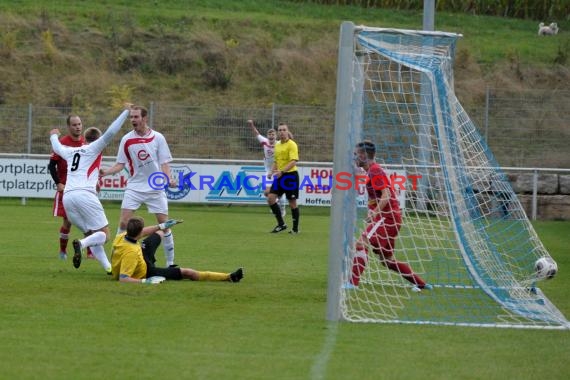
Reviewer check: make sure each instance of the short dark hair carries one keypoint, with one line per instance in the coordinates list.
(135, 226)
(143, 110)
(92, 134)
(367, 146)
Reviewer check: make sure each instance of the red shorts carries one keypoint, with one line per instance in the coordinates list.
(58, 209)
(381, 234)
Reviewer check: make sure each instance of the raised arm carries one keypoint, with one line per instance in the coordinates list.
(113, 129)
(252, 127)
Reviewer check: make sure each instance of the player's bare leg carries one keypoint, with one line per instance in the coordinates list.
(126, 214)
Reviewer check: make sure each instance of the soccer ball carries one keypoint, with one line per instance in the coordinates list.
(545, 268)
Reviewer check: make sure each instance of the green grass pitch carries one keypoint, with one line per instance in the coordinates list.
(57, 322)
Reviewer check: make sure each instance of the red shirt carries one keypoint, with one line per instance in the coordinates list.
(378, 181)
(61, 164)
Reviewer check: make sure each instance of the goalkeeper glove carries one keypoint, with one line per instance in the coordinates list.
(169, 223)
(153, 280)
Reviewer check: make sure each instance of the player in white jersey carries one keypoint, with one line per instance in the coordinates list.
(80, 200)
(146, 156)
(268, 144)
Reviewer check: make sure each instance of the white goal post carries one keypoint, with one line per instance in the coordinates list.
(464, 230)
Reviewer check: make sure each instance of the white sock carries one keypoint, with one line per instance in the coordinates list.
(120, 230)
(168, 244)
(99, 253)
(98, 238)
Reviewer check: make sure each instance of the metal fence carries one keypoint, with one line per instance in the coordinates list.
(526, 129)
(192, 132)
(529, 129)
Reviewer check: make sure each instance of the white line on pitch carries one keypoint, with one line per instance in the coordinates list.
(320, 365)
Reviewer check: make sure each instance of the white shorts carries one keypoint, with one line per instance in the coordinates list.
(156, 203)
(84, 210)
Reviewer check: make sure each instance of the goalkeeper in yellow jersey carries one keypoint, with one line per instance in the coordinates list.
(134, 262)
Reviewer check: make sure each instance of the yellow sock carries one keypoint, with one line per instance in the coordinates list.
(213, 276)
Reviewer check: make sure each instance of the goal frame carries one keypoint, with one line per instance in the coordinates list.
(348, 120)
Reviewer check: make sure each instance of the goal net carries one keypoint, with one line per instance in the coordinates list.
(463, 231)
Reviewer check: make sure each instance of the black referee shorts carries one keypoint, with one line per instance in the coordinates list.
(287, 184)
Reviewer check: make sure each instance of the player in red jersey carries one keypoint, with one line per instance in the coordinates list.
(58, 169)
(383, 222)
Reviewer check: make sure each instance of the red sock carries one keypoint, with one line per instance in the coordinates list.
(405, 271)
(63, 239)
(358, 266)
